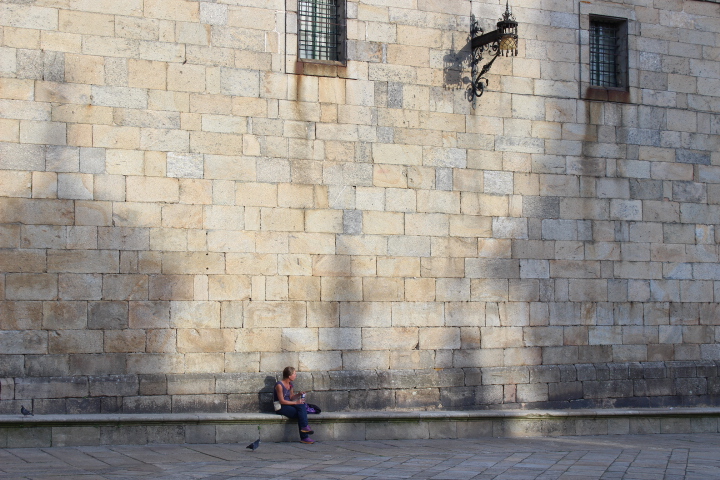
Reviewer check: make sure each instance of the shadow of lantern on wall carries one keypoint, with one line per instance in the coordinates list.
(500, 42)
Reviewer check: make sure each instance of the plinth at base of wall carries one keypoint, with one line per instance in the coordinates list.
(119, 429)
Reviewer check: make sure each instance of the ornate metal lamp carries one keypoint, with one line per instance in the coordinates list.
(502, 41)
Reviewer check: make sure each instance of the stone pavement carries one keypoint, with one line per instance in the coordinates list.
(641, 457)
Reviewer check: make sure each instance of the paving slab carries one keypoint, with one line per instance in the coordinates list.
(607, 457)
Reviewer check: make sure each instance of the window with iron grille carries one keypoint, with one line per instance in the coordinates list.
(608, 53)
(321, 30)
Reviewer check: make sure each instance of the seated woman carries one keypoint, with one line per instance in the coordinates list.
(292, 405)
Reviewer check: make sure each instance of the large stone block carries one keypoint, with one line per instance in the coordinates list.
(464, 314)
(361, 314)
(152, 384)
(22, 342)
(71, 261)
(64, 315)
(274, 314)
(7, 389)
(21, 315)
(406, 245)
(97, 364)
(155, 363)
(299, 339)
(282, 219)
(170, 287)
(419, 314)
(340, 339)
(332, 265)
(199, 362)
(452, 289)
(30, 286)
(442, 267)
(12, 365)
(398, 267)
(114, 386)
(383, 289)
(485, 357)
(500, 268)
(397, 154)
(125, 287)
(51, 387)
(439, 338)
(341, 289)
(107, 315)
(191, 384)
(304, 288)
(149, 314)
(228, 287)
(124, 341)
(195, 314)
(314, 361)
(534, 392)
(47, 365)
(403, 338)
(79, 286)
(75, 341)
(324, 221)
(427, 224)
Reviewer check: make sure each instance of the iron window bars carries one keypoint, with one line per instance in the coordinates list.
(608, 53)
(321, 30)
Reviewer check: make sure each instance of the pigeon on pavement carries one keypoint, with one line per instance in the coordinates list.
(254, 446)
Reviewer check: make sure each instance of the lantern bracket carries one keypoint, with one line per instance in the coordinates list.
(499, 42)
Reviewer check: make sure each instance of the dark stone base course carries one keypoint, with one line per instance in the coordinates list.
(126, 429)
(582, 386)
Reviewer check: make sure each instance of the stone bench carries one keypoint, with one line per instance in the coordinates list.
(124, 429)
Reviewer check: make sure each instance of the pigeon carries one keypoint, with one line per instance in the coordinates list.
(25, 411)
(253, 446)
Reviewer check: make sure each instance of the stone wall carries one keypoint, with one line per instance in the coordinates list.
(185, 208)
(580, 386)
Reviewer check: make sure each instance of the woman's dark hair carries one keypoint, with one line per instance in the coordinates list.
(288, 371)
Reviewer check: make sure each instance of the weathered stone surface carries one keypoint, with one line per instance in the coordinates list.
(199, 403)
(147, 404)
(51, 387)
(107, 315)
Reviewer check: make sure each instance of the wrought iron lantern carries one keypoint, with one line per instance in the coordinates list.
(500, 42)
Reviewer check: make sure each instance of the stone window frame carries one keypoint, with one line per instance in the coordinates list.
(624, 16)
(303, 66)
(341, 49)
(609, 66)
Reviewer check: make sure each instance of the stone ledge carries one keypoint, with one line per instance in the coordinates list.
(140, 429)
(345, 417)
